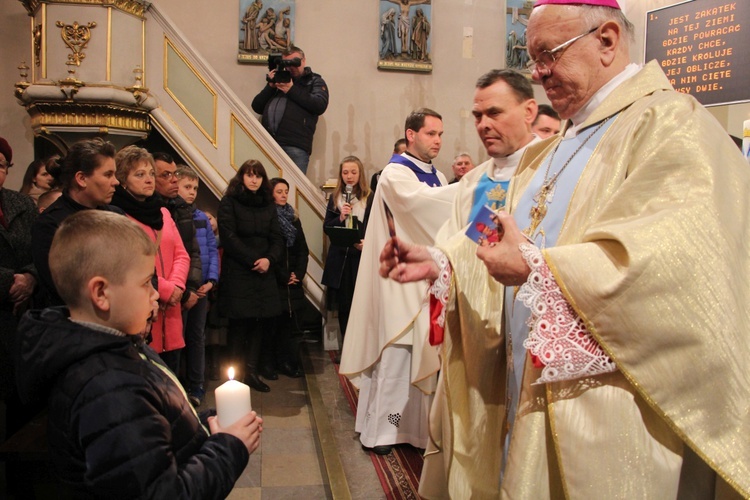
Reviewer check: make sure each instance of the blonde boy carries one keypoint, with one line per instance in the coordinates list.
(194, 319)
(119, 422)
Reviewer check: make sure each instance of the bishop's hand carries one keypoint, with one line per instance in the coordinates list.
(503, 259)
(406, 262)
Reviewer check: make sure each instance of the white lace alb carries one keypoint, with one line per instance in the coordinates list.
(558, 336)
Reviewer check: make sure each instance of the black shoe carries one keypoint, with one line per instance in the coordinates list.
(256, 383)
(380, 450)
(195, 396)
(290, 371)
(269, 374)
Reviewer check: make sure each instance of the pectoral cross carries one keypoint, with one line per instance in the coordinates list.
(537, 213)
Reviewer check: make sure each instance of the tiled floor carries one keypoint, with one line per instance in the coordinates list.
(309, 449)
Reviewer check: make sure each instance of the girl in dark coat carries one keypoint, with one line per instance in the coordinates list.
(289, 275)
(253, 246)
(340, 273)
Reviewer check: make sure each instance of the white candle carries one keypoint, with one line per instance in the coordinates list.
(232, 401)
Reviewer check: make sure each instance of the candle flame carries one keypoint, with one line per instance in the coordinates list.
(230, 372)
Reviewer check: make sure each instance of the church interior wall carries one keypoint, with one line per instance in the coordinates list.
(367, 106)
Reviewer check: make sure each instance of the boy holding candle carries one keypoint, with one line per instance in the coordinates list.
(120, 424)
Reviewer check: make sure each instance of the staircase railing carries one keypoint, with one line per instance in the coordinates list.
(211, 128)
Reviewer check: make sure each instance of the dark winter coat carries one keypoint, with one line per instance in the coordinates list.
(305, 101)
(119, 425)
(182, 215)
(249, 230)
(15, 242)
(42, 233)
(15, 258)
(294, 260)
(339, 260)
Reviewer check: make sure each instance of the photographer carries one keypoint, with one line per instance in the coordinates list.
(290, 104)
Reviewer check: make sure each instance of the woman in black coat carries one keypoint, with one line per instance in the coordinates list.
(289, 275)
(346, 208)
(253, 246)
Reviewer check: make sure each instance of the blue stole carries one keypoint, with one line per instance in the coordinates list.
(489, 192)
(429, 178)
(516, 314)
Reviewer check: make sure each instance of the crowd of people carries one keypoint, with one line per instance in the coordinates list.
(591, 348)
(132, 305)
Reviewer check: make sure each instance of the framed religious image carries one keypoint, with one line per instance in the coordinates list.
(404, 40)
(517, 17)
(266, 27)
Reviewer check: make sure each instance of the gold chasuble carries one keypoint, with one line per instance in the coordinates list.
(463, 456)
(654, 255)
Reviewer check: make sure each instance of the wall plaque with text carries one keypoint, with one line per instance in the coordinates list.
(702, 46)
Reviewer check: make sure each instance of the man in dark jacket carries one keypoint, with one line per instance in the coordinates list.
(290, 110)
(120, 425)
(167, 189)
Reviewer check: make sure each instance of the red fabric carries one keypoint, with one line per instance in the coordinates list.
(537, 361)
(437, 332)
(172, 266)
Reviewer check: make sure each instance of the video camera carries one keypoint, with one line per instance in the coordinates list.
(281, 65)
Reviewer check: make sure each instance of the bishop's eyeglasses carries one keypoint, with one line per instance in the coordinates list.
(547, 58)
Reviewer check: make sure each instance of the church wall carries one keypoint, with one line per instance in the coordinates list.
(368, 106)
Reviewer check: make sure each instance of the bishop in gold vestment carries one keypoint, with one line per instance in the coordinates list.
(653, 255)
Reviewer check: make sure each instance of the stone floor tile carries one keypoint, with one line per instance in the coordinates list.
(297, 469)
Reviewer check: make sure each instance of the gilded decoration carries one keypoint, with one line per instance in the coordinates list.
(104, 116)
(135, 7)
(76, 37)
(37, 37)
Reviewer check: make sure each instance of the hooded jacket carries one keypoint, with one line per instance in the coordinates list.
(119, 425)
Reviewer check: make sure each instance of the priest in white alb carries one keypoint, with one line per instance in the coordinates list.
(386, 352)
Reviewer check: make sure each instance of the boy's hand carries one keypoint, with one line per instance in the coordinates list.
(247, 429)
(191, 301)
(203, 290)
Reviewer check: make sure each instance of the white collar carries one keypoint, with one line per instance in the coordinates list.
(601, 94)
(505, 166)
(427, 167)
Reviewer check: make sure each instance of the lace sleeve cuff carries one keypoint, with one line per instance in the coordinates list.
(442, 284)
(439, 295)
(558, 338)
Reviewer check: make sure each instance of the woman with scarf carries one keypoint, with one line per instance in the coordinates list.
(253, 247)
(289, 275)
(134, 195)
